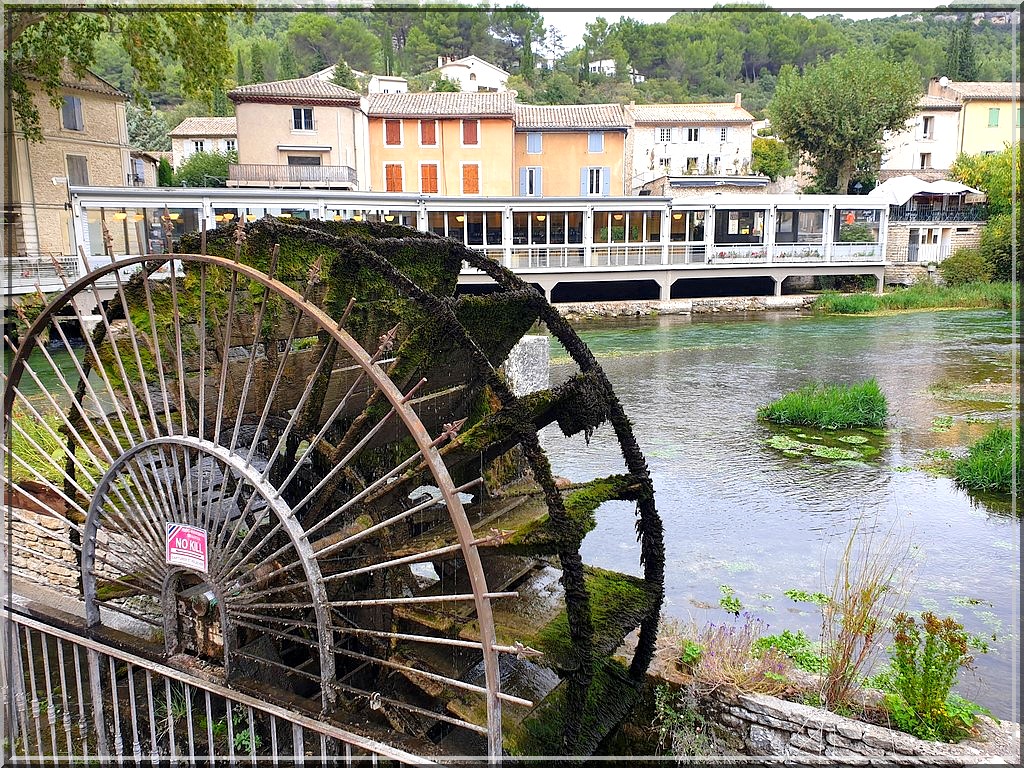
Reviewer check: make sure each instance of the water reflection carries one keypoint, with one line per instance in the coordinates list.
(738, 512)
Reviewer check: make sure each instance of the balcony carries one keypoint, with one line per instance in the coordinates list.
(26, 274)
(929, 213)
(257, 175)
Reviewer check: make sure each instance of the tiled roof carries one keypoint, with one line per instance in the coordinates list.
(579, 117)
(304, 88)
(205, 126)
(985, 91)
(724, 112)
(92, 82)
(937, 102)
(433, 104)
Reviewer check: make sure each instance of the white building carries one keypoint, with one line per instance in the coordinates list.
(473, 74)
(929, 141)
(608, 68)
(202, 134)
(682, 139)
(387, 84)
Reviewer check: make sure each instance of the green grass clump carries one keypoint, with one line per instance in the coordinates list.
(830, 406)
(797, 647)
(918, 296)
(988, 465)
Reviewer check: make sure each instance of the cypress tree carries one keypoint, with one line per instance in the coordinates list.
(968, 58)
(239, 68)
(256, 73)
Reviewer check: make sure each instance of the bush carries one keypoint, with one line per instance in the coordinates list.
(996, 247)
(925, 661)
(726, 658)
(965, 266)
(988, 465)
(830, 407)
(796, 647)
(205, 169)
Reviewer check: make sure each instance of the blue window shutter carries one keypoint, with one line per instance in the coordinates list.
(537, 185)
(606, 181)
(583, 181)
(522, 181)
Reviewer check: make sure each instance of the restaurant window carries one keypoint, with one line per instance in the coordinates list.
(739, 226)
(457, 225)
(793, 226)
(652, 226)
(855, 225)
(435, 222)
(428, 177)
(493, 227)
(393, 177)
(574, 225)
(475, 228)
(520, 222)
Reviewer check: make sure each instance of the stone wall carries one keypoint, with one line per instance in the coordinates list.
(595, 309)
(40, 551)
(771, 727)
(908, 274)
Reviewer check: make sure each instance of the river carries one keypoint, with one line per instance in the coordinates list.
(741, 513)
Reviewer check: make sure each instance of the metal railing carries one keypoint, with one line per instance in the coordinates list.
(23, 274)
(291, 174)
(73, 699)
(626, 255)
(541, 256)
(738, 253)
(974, 212)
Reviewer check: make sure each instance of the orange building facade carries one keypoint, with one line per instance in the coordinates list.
(442, 143)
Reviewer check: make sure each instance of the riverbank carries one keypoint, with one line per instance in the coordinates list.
(586, 310)
(920, 296)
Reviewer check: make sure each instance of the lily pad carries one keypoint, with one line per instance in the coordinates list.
(852, 439)
(828, 452)
(786, 443)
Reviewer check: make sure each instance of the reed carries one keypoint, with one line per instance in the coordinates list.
(988, 465)
(918, 296)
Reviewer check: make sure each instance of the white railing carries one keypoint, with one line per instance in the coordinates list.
(687, 253)
(630, 255)
(23, 274)
(799, 253)
(547, 256)
(738, 253)
(856, 252)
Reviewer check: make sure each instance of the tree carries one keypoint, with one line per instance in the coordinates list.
(164, 173)
(38, 42)
(989, 173)
(961, 60)
(256, 72)
(344, 76)
(358, 46)
(147, 129)
(771, 158)
(205, 169)
(838, 110)
(287, 67)
(239, 68)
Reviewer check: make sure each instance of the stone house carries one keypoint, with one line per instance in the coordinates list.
(304, 132)
(930, 140)
(473, 74)
(202, 134)
(684, 139)
(85, 143)
(569, 150)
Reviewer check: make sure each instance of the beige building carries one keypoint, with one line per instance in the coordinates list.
(202, 134)
(302, 132)
(569, 150)
(990, 116)
(85, 143)
(930, 140)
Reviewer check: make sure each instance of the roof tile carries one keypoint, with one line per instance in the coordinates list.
(984, 91)
(300, 88)
(442, 104)
(580, 117)
(205, 126)
(723, 112)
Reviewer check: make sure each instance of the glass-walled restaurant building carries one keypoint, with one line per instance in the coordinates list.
(547, 239)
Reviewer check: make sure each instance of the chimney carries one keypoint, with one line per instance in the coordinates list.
(737, 100)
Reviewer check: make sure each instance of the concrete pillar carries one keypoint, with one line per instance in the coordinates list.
(665, 289)
(778, 285)
(880, 282)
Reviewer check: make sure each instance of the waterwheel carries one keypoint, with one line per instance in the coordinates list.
(291, 451)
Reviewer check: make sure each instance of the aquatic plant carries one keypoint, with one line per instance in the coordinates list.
(926, 658)
(988, 466)
(796, 646)
(830, 407)
(918, 296)
(867, 591)
(729, 601)
(727, 658)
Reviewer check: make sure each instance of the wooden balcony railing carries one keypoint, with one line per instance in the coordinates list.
(251, 174)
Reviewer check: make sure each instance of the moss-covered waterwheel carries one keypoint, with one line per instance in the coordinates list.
(311, 414)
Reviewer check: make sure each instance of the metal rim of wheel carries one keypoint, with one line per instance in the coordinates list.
(117, 440)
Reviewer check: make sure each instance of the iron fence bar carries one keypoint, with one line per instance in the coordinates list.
(92, 656)
(191, 730)
(209, 723)
(34, 704)
(170, 717)
(152, 716)
(83, 723)
(136, 744)
(118, 745)
(65, 710)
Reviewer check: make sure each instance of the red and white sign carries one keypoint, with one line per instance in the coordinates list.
(186, 546)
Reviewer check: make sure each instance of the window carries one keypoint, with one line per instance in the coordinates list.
(303, 160)
(428, 177)
(393, 133)
(691, 164)
(595, 181)
(927, 127)
(533, 143)
(993, 117)
(230, 145)
(693, 134)
(471, 133)
(393, 177)
(665, 163)
(71, 114)
(595, 141)
(78, 170)
(428, 133)
(530, 181)
(471, 179)
(926, 160)
(723, 135)
(664, 135)
(198, 145)
(302, 118)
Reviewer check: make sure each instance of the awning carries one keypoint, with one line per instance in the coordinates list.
(302, 148)
(900, 189)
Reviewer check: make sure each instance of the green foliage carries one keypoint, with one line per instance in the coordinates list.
(991, 174)
(967, 265)
(205, 169)
(961, 61)
(164, 173)
(923, 295)
(729, 601)
(830, 406)
(771, 158)
(682, 729)
(988, 465)
(925, 660)
(38, 41)
(48, 458)
(690, 654)
(800, 596)
(147, 129)
(856, 233)
(838, 110)
(797, 647)
(996, 246)
(344, 76)
(727, 658)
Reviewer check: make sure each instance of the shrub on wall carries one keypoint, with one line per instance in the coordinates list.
(967, 265)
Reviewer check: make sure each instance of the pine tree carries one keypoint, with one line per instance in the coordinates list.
(344, 76)
(968, 59)
(287, 67)
(954, 53)
(239, 68)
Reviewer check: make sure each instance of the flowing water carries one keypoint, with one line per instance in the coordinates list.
(741, 513)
